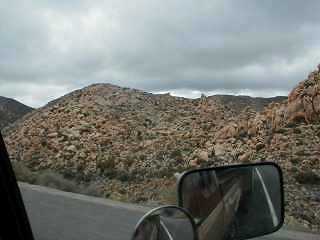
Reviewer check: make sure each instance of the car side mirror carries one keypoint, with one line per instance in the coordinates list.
(234, 202)
(166, 223)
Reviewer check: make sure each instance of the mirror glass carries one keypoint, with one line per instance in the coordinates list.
(236, 202)
(166, 223)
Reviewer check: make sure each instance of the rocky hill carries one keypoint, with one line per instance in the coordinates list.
(132, 142)
(11, 110)
(103, 124)
(105, 127)
(287, 133)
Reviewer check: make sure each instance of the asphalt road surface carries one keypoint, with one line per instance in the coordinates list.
(56, 215)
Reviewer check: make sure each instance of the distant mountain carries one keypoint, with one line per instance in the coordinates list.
(239, 103)
(11, 110)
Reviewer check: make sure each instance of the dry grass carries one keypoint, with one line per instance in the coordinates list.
(169, 196)
(23, 173)
(49, 178)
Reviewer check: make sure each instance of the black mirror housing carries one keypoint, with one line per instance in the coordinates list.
(166, 223)
(234, 202)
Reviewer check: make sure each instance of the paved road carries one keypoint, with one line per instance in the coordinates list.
(56, 215)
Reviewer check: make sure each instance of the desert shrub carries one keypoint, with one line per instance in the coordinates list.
(110, 173)
(295, 160)
(23, 173)
(161, 155)
(120, 175)
(139, 136)
(308, 177)
(123, 176)
(92, 190)
(171, 118)
(181, 168)
(138, 175)
(106, 162)
(169, 196)
(52, 179)
(143, 157)
(176, 154)
(130, 160)
(67, 174)
(161, 172)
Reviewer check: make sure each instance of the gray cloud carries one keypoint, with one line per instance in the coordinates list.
(48, 48)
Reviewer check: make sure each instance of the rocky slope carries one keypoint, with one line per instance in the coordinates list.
(105, 127)
(11, 110)
(287, 133)
(132, 142)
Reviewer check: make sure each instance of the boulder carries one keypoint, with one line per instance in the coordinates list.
(245, 158)
(220, 150)
(203, 155)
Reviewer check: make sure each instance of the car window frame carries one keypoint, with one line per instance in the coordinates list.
(14, 221)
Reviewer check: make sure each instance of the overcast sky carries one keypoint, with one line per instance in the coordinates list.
(258, 48)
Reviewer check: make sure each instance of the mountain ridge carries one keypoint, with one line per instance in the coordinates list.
(232, 102)
(240, 102)
(11, 110)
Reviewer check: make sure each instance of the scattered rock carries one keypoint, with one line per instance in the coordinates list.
(203, 155)
(53, 135)
(245, 158)
(259, 146)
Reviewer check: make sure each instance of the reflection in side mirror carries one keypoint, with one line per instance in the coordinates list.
(166, 223)
(234, 202)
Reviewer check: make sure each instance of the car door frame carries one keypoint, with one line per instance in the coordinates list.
(14, 222)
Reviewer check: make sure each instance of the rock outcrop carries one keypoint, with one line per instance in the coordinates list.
(287, 133)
